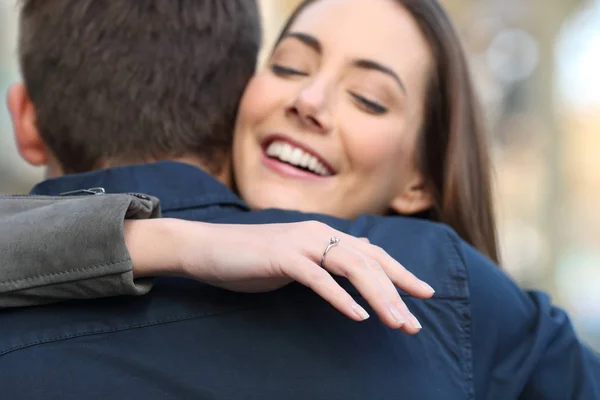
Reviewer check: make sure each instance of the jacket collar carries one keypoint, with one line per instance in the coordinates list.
(177, 185)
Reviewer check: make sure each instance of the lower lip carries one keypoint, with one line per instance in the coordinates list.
(287, 170)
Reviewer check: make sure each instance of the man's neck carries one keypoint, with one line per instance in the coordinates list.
(223, 174)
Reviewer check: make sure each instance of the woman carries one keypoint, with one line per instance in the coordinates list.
(377, 119)
(324, 87)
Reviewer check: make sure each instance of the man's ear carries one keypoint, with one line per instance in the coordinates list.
(27, 136)
(415, 198)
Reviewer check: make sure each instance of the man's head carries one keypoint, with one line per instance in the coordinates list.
(113, 82)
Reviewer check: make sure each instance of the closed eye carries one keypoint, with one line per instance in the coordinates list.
(286, 71)
(370, 106)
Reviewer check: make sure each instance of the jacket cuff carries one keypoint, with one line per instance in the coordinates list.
(61, 248)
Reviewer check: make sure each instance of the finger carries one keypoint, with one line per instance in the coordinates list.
(346, 261)
(321, 282)
(400, 276)
(411, 324)
(384, 298)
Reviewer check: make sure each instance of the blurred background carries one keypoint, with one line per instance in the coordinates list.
(537, 67)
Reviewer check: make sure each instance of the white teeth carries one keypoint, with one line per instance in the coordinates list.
(274, 149)
(305, 160)
(285, 153)
(297, 157)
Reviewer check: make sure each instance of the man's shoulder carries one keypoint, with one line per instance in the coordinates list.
(433, 251)
(417, 228)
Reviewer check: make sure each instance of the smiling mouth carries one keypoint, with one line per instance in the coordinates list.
(296, 157)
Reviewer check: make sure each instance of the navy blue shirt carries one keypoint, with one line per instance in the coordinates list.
(482, 336)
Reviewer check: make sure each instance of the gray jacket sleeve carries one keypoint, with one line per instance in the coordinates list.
(57, 248)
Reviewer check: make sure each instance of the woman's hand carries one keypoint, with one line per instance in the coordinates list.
(260, 258)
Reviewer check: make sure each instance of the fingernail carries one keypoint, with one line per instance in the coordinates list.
(415, 323)
(427, 287)
(361, 312)
(397, 316)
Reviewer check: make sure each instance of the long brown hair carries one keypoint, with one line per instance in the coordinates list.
(453, 150)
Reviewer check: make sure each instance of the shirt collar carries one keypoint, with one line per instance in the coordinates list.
(177, 185)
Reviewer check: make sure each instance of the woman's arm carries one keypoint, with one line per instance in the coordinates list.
(57, 248)
(85, 247)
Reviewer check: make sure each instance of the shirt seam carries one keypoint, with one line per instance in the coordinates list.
(94, 332)
(460, 264)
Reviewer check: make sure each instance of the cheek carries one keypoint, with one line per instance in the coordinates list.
(255, 103)
(377, 147)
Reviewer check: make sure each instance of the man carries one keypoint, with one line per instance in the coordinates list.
(130, 82)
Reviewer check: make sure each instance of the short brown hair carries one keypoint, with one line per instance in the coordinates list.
(131, 80)
(453, 152)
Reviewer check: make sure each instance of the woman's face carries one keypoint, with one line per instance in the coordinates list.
(331, 124)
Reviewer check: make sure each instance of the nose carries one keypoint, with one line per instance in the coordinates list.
(310, 108)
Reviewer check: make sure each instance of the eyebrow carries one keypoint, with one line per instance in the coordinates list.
(308, 40)
(314, 44)
(372, 65)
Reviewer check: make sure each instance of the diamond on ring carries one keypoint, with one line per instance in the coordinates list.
(332, 242)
